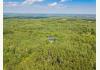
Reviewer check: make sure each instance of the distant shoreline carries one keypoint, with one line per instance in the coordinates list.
(17, 15)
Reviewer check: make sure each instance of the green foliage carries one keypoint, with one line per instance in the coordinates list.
(26, 45)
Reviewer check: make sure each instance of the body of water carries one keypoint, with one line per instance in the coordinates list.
(49, 15)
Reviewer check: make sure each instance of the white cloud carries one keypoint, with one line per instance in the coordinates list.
(10, 3)
(62, 0)
(52, 4)
(57, 3)
(31, 1)
(65, 0)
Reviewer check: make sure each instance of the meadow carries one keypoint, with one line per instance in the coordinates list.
(27, 47)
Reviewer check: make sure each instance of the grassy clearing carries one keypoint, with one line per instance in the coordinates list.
(26, 45)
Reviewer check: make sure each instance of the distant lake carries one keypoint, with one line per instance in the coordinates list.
(49, 15)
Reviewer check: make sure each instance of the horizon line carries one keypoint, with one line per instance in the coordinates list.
(52, 13)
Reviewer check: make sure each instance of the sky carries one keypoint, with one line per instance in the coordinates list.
(50, 6)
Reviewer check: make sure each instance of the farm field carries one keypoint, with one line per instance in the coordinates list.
(27, 45)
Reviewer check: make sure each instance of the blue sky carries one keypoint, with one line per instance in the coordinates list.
(50, 6)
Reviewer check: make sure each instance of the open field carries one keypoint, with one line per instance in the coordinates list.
(26, 44)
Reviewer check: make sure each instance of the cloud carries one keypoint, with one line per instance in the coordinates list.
(65, 0)
(10, 3)
(53, 4)
(62, 0)
(31, 1)
(57, 3)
